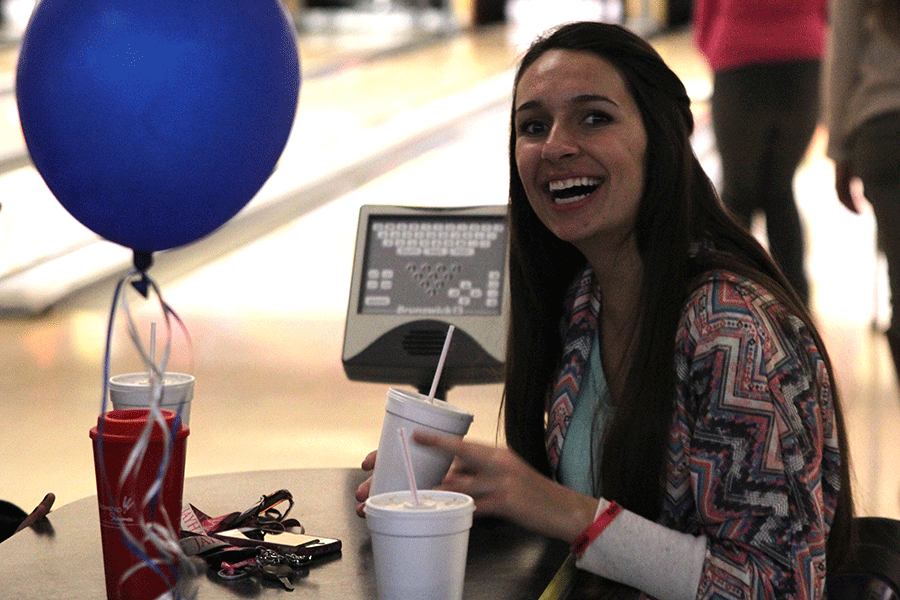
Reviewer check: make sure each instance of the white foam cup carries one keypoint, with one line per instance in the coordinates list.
(420, 551)
(413, 411)
(132, 390)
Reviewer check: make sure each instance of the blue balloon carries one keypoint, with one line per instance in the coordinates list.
(154, 122)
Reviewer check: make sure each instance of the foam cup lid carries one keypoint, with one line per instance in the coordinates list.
(133, 380)
(409, 404)
(401, 504)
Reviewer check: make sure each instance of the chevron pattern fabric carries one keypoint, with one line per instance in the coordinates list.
(582, 309)
(753, 462)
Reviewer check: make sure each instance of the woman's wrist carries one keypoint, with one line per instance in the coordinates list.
(547, 507)
(606, 512)
(573, 513)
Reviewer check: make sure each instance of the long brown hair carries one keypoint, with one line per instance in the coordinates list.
(679, 207)
(887, 15)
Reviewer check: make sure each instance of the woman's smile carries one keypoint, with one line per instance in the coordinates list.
(571, 190)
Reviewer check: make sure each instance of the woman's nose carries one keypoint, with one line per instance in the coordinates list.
(559, 145)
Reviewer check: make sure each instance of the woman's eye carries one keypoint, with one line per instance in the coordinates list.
(597, 118)
(531, 127)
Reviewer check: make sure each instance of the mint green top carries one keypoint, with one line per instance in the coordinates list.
(593, 410)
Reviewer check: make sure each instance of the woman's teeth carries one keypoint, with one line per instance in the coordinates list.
(567, 191)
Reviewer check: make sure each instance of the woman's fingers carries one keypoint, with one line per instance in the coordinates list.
(39, 512)
(504, 485)
(467, 453)
(444, 442)
(368, 462)
(484, 472)
(362, 492)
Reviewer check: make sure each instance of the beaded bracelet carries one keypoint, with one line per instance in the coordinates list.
(596, 528)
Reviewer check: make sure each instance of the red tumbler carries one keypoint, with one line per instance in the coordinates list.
(129, 575)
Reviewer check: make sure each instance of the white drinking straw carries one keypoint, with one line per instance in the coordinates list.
(409, 468)
(440, 367)
(153, 342)
(151, 376)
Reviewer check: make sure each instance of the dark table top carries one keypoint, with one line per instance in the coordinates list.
(505, 562)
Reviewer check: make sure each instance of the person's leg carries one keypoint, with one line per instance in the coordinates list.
(740, 128)
(876, 158)
(793, 102)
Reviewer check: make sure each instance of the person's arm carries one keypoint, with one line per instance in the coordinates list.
(843, 57)
(757, 425)
(841, 71)
(504, 485)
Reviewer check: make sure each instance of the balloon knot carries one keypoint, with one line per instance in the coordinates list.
(142, 262)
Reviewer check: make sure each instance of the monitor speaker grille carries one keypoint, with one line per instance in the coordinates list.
(424, 342)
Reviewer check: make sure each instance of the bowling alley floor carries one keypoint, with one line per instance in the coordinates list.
(266, 316)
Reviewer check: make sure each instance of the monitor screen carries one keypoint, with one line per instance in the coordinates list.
(434, 267)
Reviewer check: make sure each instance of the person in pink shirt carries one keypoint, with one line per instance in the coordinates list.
(766, 58)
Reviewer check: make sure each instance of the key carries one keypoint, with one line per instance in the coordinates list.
(280, 572)
(239, 569)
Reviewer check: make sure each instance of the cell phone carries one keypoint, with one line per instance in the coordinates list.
(294, 543)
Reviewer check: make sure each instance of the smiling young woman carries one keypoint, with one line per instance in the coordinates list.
(669, 406)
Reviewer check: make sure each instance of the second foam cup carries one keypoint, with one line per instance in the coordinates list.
(414, 411)
(132, 390)
(420, 549)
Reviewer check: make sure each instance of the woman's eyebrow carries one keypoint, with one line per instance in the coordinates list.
(580, 99)
(530, 105)
(587, 98)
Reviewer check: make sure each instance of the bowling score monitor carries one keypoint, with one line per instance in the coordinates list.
(416, 271)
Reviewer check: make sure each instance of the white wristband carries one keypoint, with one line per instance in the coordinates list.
(661, 562)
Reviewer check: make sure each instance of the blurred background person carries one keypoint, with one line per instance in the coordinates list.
(863, 118)
(766, 58)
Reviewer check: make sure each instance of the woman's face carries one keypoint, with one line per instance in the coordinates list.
(580, 148)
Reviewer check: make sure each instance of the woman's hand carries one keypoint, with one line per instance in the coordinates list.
(362, 492)
(504, 485)
(843, 176)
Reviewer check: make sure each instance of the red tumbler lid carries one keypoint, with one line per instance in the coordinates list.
(128, 424)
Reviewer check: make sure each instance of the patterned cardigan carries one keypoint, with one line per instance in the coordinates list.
(753, 461)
